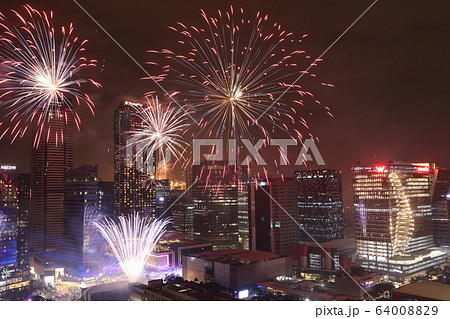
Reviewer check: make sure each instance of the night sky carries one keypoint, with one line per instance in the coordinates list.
(390, 71)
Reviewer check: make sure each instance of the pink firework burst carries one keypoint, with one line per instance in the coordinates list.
(238, 73)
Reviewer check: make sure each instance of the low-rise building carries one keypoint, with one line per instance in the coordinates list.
(309, 257)
(113, 291)
(156, 290)
(169, 250)
(355, 283)
(423, 291)
(235, 268)
(13, 279)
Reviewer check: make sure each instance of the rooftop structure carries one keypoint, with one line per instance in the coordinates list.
(156, 290)
(422, 290)
(235, 268)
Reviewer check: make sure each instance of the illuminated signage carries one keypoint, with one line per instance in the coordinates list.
(380, 169)
(8, 167)
(423, 169)
(243, 294)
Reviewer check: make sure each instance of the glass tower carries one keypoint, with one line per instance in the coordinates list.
(393, 222)
(220, 204)
(320, 204)
(133, 177)
(51, 159)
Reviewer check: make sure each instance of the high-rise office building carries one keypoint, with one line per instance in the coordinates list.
(8, 214)
(393, 222)
(106, 198)
(220, 206)
(320, 208)
(23, 218)
(260, 219)
(271, 226)
(181, 212)
(162, 199)
(51, 159)
(81, 193)
(131, 169)
(440, 207)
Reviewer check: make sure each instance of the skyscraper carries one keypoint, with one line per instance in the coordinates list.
(220, 207)
(181, 212)
(8, 214)
(106, 204)
(23, 218)
(440, 207)
(320, 205)
(130, 171)
(271, 227)
(81, 192)
(393, 224)
(260, 220)
(162, 198)
(51, 159)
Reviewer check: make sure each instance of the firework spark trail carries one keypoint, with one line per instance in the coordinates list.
(160, 128)
(40, 73)
(319, 58)
(92, 216)
(234, 69)
(132, 240)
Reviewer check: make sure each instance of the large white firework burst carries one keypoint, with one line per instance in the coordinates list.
(40, 74)
(132, 240)
(237, 71)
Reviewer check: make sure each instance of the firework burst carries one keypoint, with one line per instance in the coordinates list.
(40, 74)
(238, 71)
(132, 240)
(159, 132)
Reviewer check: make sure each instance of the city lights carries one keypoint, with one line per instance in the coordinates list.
(226, 156)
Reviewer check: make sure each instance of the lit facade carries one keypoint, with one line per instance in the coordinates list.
(220, 204)
(309, 257)
(23, 218)
(8, 214)
(181, 213)
(106, 198)
(82, 192)
(440, 207)
(393, 224)
(162, 198)
(320, 204)
(131, 194)
(51, 159)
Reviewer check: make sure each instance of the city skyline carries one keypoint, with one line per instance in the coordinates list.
(398, 105)
(207, 152)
